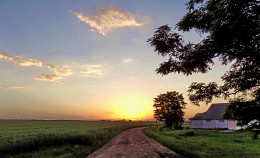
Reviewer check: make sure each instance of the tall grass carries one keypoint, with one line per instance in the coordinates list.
(28, 138)
(200, 143)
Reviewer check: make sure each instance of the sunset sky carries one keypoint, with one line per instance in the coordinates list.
(87, 59)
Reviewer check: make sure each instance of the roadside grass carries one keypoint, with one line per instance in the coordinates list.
(199, 143)
(66, 139)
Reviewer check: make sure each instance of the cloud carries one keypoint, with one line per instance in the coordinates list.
(92, 70)
(60, 70)
(11, 87)
(51, 78)
(128, 60)
(22, 61)
(60, 73)
(109, 18)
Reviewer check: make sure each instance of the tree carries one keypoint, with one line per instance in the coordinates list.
(232, 35)
(242, 111)
(169, 109)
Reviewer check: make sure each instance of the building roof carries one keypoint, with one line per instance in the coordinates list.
(214, 112)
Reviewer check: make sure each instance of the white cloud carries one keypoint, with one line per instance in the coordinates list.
(92, 70)
(109, 18)
(60, 70)
(60, 73)
(128, 60)
(51, 78)
(22, 61)
(11, 87)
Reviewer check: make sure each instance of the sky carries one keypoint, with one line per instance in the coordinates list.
(88, 59)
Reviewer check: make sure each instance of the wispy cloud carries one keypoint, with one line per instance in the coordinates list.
(11, 87)
(22, 61)
(58, 73)
(92, 70)
(128, 60)
(51, 78)
(60, 70)
(109, 18)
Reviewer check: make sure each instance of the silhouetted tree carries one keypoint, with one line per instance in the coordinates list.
(169, 109)
(242, 111)
(232, 34)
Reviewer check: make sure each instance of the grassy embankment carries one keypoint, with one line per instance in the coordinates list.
(77, 139)
(207, 143)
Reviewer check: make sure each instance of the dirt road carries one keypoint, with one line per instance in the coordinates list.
(133, 143)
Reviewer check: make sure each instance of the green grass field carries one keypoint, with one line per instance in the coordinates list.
(35, 139)
(207, 143)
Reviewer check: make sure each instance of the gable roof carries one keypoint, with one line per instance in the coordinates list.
(214, 112)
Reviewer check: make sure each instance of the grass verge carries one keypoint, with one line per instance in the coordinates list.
(200, 143)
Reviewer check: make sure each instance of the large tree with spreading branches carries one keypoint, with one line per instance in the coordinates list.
(232, 35)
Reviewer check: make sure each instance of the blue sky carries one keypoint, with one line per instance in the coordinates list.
(87, 59)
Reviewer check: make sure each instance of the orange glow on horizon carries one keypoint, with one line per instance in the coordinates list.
(131, 107)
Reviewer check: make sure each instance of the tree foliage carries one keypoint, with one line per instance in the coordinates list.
(243, 111)
(169, 109)
(232, 35)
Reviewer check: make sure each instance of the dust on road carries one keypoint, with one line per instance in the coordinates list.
(133, 143)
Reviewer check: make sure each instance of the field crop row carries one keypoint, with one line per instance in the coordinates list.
(21, 138)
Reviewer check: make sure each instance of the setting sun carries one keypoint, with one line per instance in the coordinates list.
(131, 107)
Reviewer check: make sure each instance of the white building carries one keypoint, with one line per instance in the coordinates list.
(212, 118)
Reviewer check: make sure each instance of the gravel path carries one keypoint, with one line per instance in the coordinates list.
(133, 143)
